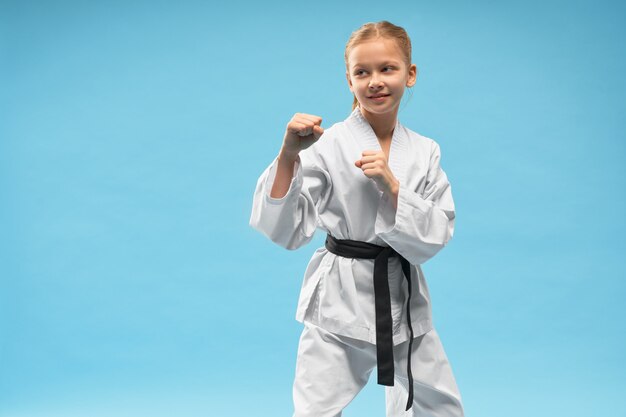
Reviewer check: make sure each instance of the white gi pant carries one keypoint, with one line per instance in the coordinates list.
(331, 369)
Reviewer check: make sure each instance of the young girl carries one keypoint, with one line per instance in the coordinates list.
(377, 189)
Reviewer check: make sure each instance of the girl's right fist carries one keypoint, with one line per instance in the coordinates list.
(303, 130)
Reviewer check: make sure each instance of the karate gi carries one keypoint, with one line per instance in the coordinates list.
(336, 302)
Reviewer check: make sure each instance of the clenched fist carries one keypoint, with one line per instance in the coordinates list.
(303, 130)
(374, 166)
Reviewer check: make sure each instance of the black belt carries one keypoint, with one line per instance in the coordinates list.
(384, 337)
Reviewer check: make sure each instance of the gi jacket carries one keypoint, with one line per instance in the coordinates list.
(329, 192)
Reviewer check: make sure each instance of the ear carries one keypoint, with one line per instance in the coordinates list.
(349, 81)
(412, 75)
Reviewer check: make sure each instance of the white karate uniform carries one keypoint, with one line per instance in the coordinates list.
(329, 192)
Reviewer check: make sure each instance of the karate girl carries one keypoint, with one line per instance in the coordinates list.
(376, 188)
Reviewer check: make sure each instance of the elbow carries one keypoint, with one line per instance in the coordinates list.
(439, 232)
(447, 236)
(295, 240)
(428, 248)
(287, 239)
(449, 228)
(284, 241)
(426, 252)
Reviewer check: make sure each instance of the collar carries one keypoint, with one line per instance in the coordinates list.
(366, 137)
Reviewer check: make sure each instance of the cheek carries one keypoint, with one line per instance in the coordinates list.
(361, 87)
(356, 90)
(400, 83)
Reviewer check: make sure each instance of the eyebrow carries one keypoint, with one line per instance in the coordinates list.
(358, 64)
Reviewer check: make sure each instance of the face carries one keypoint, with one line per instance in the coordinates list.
(377, 75)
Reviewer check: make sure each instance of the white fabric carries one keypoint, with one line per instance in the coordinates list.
(329, 192)
(332, 369)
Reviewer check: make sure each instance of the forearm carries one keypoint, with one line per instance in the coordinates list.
(416, 228)
(290, 220)
(393, 194)
(284, 174)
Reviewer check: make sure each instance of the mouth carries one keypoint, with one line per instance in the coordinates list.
(378, 95)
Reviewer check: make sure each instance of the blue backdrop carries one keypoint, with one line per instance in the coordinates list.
(132, 135)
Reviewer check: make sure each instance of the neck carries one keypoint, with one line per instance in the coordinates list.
(382, 124)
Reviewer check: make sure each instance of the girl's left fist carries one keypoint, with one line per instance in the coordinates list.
(374, 166)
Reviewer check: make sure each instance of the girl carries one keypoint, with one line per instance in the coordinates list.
(377, 189)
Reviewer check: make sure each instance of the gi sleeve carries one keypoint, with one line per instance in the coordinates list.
(422, 224)
(291, 221)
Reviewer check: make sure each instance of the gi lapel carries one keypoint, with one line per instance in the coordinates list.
(367, 139)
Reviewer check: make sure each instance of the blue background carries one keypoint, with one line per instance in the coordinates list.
(131, 139)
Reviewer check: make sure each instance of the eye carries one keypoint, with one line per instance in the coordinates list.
(359, 72)
(389, 68)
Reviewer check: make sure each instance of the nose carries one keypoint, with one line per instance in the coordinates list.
(375, 83)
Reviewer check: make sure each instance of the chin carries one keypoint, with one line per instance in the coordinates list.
(379, 110)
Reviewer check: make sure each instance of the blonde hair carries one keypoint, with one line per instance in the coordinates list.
(382, 29)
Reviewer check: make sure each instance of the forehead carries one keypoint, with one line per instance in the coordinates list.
(374, 52)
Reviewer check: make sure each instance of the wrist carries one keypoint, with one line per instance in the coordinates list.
(395, 192)
(395, 187)
(288, 155)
